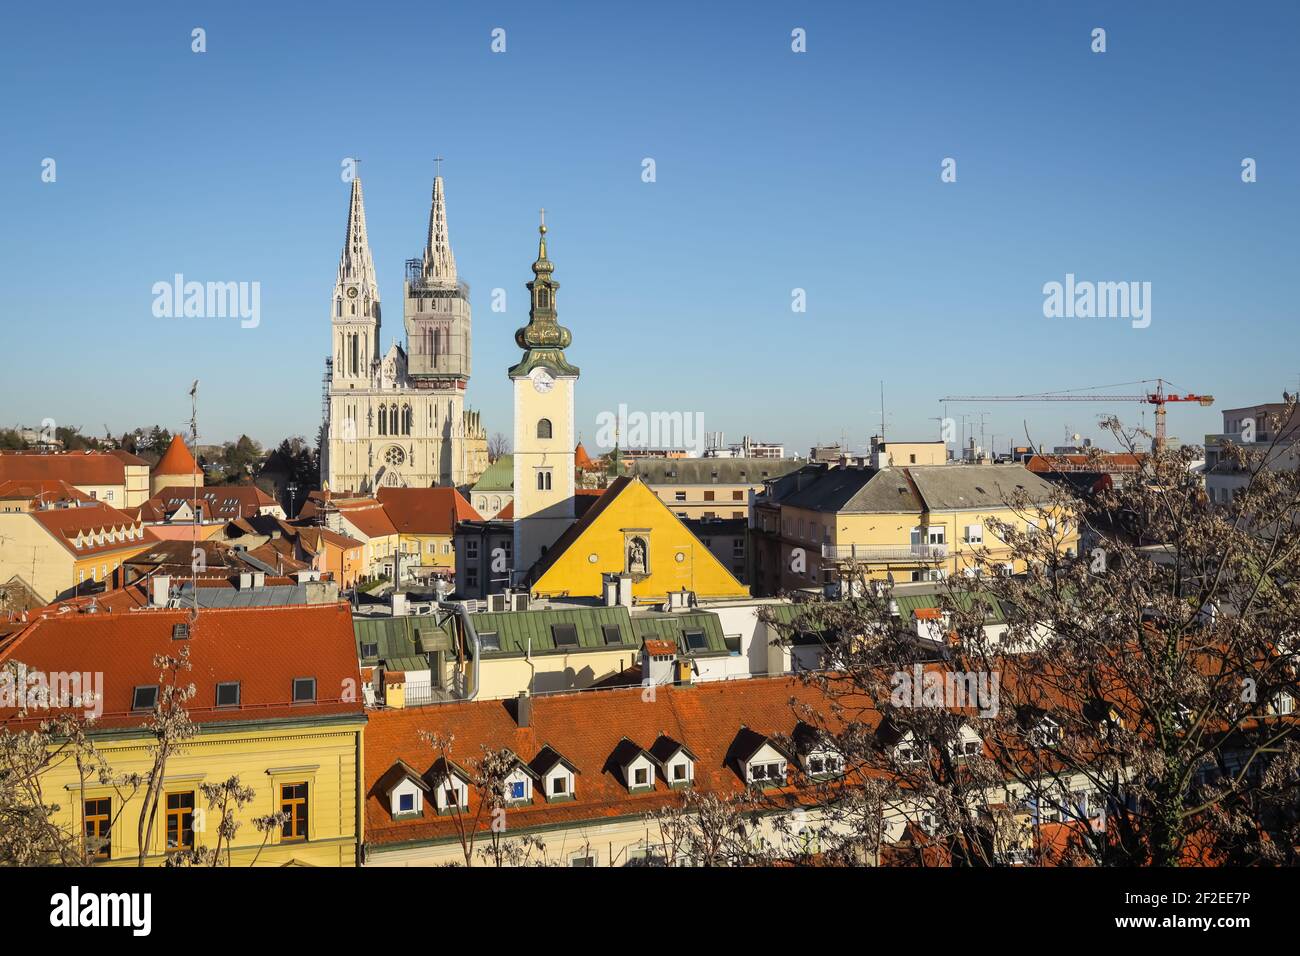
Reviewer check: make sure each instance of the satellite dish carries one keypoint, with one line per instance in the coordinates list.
(1075, 437)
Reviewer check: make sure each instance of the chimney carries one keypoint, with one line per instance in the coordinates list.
(245, 580)
(161, 586)
(524, 709)
(610, 584)
(259, 579)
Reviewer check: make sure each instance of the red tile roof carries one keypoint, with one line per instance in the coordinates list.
(587, 727)
(90, 520)
(508, 512)
(426, 510)
(75, 467)
(177, 460)
(262, 648)
(46, 489)
(219, 503)
(581, 460)
(369, 518)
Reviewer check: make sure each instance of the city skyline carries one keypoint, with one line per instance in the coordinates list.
(678, 291)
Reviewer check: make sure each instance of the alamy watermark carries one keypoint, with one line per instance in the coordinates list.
(1084, 299)
(211, 300)
(25, 689)
(657, 430)
(950, 690)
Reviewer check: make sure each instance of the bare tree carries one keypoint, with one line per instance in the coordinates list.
(498, 445)
(170, 726)
(1143, 687)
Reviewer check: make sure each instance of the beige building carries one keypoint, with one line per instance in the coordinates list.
(818, 524)
(116, 478)
(59, 546)
(705, 488)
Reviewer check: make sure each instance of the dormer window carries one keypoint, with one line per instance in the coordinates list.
(448, 785)
(518, 783)
(767, 772)
(967, 744)
(405, 790)
(1046, 733)
(908, 751)
(634, 765)
(557, 774)
(675, 763)
(824, 763)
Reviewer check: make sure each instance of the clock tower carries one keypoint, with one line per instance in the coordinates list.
(544, 427)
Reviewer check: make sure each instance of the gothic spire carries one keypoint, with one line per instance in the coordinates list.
(439, 263)
(355, 265)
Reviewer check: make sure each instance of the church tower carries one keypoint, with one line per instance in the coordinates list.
(356, 303)
(544, 428)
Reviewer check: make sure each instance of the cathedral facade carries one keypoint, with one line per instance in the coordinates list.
(398, 420)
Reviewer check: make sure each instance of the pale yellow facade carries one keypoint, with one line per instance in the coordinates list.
(326, 756)
(30, 552)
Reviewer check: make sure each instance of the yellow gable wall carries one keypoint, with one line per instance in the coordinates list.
(637, 510)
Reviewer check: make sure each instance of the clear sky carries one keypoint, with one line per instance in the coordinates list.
(775, 170)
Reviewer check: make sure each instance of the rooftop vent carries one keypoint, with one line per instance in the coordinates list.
(180, 632)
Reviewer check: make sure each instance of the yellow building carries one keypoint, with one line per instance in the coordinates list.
(630, 534)
(61, 545)
(285, 715)
(424, 520)
(909, 523)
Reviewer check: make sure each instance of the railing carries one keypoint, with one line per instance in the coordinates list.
(885, 552)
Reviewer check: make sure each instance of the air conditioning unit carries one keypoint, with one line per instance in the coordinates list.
(522, 601)
(498, 602)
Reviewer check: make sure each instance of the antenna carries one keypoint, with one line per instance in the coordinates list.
(882, 411)
(194, 502)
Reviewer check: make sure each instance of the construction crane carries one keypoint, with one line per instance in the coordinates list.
(1159, 398)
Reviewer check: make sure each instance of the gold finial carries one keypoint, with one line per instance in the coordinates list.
(542, 227)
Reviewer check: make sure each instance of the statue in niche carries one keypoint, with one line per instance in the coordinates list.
(636, 556)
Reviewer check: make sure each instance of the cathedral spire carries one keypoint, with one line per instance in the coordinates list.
(439, 263)
(543, 339)
(356, 268)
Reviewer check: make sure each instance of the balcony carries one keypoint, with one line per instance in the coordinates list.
(885, 552)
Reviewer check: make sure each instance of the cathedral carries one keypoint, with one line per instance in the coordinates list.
(398, 420)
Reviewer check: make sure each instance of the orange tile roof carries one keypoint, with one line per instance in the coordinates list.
(508, 512)
(262, 648)
(76, 468)
(658, 647)
(369, 518)
(426, 510)
(216, 503)
(587, 727)
(581, 460)
(90, 520)
(177, 460)
(46, 489)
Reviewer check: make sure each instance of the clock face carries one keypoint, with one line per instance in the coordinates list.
(352, 293)
(542, 380)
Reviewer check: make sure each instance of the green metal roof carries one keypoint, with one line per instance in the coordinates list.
(672, 626)
(514, 629)
(964, 600)
(407, 664)
(402, 637)
(500, 476)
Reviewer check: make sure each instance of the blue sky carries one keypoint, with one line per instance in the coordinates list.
(775, 171)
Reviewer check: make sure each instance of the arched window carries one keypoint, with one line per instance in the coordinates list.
(383, 422)
(392, 418)
(406, 419)
(338, 307)
(544, 428)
